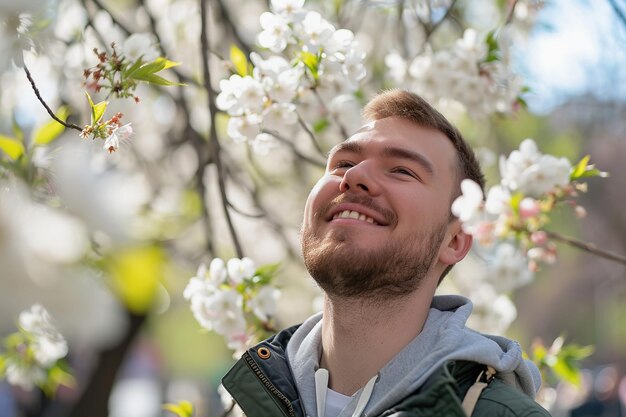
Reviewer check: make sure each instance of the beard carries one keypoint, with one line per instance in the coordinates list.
(343, 269)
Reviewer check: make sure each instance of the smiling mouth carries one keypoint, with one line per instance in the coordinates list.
(351, 214)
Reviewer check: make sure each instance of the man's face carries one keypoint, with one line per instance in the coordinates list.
(375, 222)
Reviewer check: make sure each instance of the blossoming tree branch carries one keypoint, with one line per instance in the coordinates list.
(197, 169)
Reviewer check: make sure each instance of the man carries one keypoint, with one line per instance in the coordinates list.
(378, 237)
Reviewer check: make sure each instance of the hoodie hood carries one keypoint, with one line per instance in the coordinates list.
(443, 338)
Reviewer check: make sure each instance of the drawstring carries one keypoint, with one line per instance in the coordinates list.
(321, 387)
(365, 396)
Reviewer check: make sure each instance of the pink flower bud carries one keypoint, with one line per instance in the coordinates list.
(539, 237)
(580, 212)
(529, 207)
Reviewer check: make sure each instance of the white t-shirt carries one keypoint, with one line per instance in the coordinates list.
(335, 402)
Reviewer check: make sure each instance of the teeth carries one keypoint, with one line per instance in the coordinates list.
(351, 214)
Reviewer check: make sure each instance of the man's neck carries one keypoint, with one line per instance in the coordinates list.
(360, 336)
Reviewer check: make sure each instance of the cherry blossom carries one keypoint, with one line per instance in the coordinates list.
(119, 134)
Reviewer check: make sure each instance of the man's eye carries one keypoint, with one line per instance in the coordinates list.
(403, 171)
(343, 165)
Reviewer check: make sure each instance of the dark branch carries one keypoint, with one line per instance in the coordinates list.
(587, 247)
(48, 109)
(213, 140)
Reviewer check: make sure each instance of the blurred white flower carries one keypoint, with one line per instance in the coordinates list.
(467, 206)
(315, 31)
(276, 32)
(48, 344)
(228, 97)
(493, 313)
(282, 87)
(263, 305)
(24, 375)
(533, 173)
(279, 114)
(140, 45)
(238, 269)
(263, 143)
(112, 143)
(291, 10)
(498, 200)
(508, 268)
(244, 128)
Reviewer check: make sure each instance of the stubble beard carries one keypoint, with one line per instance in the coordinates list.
(343, 269)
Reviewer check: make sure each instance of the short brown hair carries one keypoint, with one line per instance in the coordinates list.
(406, 105)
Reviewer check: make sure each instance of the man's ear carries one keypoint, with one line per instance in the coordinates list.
(456, 244)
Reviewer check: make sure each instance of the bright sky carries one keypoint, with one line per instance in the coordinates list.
(578, 46)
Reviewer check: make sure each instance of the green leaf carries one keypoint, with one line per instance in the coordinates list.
(182, 409)
(51, 130)
(593, 172)
(239, 60)
(12, 147)
(153, 67)
(97, 110)
(580, 168)
(155, 79)
(312, 62)
(267, 271)
(515, 200)
(320, 125)
(128, 72)
(135, 274)
(2, 362)
(493, 49)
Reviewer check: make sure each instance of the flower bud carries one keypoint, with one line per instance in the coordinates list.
(539, 237)
(529, 207)
(580, 212)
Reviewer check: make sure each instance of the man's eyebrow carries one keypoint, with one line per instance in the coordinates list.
(418, 158)
(345, 147)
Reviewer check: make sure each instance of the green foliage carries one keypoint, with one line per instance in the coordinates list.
(13, 147)
(312, 62)
(136, 275)
(562, 361)
(48, 132)
(182, 409)
(584, 170)
(58, 375)
(265, 273)
(321, 125)
(147, 72)
(239, 60)
(493, 50)
(97, 110)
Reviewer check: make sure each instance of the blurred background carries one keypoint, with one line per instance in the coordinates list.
(108, 242)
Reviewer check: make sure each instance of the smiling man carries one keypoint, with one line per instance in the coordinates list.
(378, 236)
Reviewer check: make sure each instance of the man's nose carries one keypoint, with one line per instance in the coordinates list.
(359, 178)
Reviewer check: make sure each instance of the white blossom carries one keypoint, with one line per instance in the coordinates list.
(276, 32)
(238, 269)
(315, 31)
(140, 45)
(291, 10)
(493, 313)
(48, 344)
(263, 305)
(533, 173)
(119, 134)
(467, 205)
(24, 375)
(508, 268)
(279, 114)
(244, 127)
(263, 143)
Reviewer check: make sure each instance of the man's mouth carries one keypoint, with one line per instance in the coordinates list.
(351, 214)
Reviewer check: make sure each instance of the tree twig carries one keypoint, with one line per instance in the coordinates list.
(511, 14)
(587, 247)
(619, 12)
(310, 134)
(335, 119)
(295, 150)
(48, 109)
(213, 140)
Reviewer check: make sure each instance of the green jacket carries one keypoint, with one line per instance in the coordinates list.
(262, 384)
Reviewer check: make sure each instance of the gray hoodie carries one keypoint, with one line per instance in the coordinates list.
(443, 338)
